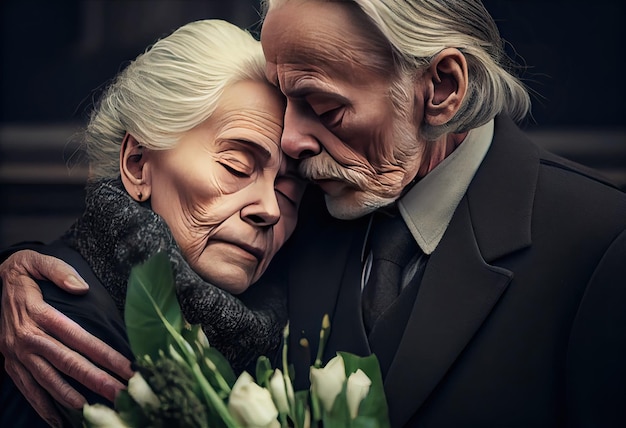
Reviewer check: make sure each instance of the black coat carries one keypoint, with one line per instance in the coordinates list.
(520, 319)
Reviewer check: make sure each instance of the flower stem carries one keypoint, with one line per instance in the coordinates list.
(323, 338)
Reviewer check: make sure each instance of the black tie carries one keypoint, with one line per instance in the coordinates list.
(392, 247)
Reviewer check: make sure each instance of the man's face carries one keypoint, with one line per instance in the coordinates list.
(339, 119)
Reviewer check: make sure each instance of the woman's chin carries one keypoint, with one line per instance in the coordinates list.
(224, 268)
(234, 280)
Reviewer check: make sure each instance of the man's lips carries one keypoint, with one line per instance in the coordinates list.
(332, 186)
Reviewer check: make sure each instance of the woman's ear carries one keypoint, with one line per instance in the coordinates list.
(446, 86)
(135, 169)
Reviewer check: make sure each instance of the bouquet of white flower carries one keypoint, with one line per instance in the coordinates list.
(182, 381)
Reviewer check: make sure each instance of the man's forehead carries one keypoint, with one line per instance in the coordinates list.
(305, 55)
(306, 36)
(294, 26)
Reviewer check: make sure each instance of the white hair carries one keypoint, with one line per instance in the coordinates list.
(417, 30)
(172, 87)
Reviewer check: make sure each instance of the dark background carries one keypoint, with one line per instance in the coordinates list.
(56, 55)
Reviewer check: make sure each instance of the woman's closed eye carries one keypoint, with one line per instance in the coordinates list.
(235, 171)
(239, 166)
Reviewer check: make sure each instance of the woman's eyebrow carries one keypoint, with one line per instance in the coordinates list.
(262, 151)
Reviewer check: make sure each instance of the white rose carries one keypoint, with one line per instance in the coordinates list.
(252, 406)
(101, 416)
(141, 392)
(326, 382)
(356, 390)
(281, 397)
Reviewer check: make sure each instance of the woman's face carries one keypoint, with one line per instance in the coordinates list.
(226, 191)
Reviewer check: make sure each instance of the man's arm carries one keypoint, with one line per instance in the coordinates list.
(39, 342)
(596, 365)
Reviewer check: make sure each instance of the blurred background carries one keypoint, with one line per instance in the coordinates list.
(57, 55)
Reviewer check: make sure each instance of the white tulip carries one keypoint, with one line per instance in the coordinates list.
(141, 392)
(281, 397)
(356, 390)
(252, 406)
(101, 416)
(326, 382)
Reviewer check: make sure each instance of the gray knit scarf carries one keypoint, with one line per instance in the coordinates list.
(116, 233)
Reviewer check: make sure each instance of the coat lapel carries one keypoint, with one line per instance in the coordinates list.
(457, 293)
(460, 288)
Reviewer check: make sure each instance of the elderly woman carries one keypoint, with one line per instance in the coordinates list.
(184, 158)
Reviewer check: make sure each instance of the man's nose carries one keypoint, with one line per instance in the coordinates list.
(264, 210)
(298, 140)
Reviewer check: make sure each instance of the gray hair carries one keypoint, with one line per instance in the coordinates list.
(417, 30)
(172, 87)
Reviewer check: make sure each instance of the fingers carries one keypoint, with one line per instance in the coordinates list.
(36, 396)
(66, 357)
(97, 351)
(37, 373)
(27, 323)
(45, 358)
(22, 265)
(23, 345)
(94, 378)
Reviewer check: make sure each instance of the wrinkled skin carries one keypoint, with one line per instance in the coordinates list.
(340, 120)
(235, 201)
(336, 71)
(33, 357)
(226, 191)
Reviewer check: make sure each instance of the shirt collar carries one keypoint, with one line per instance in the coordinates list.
(428, 207)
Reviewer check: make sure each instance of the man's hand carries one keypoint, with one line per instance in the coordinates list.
(39, 343)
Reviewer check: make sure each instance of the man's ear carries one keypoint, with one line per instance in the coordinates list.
(135, 169)
(446, 85)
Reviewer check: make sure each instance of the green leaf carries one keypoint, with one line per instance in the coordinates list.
(217, 370)
(365, 422)
(129, 410)
(150, 296)
(301, 399)
(339, 415)
(190, 334)
(374, 404)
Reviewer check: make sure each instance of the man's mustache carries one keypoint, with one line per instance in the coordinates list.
(324, 167)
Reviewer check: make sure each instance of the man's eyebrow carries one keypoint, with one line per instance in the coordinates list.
(302, 82)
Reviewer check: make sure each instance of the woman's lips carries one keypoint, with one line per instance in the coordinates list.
(256, 251)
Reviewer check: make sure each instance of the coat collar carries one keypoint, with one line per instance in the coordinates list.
(502, 193)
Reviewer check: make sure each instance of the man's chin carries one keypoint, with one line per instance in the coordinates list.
(354, 205)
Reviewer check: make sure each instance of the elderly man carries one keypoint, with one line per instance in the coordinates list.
(500, 301)
(486, 274)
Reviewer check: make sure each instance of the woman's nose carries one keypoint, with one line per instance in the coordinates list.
(264, 211)
(298, 140)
